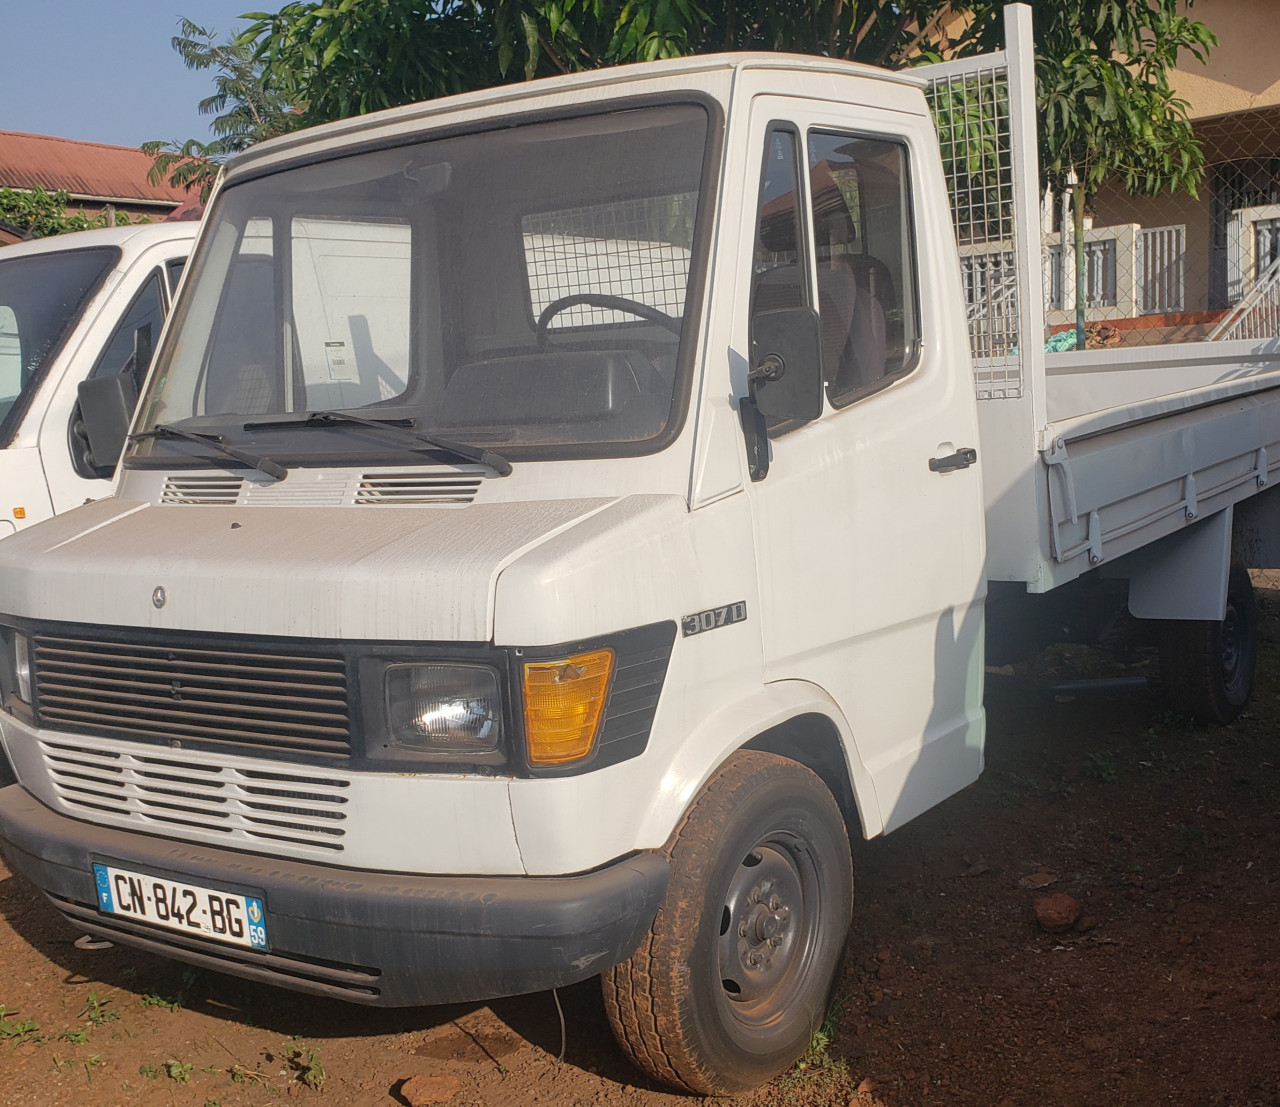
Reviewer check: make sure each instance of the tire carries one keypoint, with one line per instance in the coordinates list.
(1206, 667)
(739, 966)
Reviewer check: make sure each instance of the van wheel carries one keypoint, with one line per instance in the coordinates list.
(738, 968)
(1206, 667)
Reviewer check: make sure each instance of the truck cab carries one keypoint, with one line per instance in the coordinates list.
(551, 528)
(71, 309)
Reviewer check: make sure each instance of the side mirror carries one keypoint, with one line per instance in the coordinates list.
(784, 380)
(106, 410)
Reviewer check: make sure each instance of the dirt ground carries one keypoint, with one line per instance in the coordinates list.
(1166, 991)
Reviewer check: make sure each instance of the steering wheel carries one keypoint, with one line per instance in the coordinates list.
(600, 299)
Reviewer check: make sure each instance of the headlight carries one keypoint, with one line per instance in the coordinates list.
(443, 709)
(22, 667)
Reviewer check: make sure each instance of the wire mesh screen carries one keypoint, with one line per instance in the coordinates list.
(1178, 268)
(971, 113)
(635, 249)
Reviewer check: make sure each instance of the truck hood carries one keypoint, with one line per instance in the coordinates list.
(424, 574)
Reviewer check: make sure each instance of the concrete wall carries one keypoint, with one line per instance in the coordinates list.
(1243, 71)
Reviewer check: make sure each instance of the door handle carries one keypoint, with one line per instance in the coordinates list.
(961, 459)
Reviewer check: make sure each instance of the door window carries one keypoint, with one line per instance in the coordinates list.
(173, 270)
(145, 314)
(780, 279)
(865, 262)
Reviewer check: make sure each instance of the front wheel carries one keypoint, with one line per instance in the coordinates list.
(1206, 667)
(738, 969)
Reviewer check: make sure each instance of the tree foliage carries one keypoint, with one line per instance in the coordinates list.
(338, 59)
(246, 106)
(1106, 107)
(39, 213)
(1102, 66)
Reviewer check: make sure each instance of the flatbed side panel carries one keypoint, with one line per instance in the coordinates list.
(1115, 492)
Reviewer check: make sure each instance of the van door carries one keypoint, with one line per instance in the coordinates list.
(869, 524)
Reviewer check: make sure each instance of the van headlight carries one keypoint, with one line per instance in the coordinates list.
(443, 709)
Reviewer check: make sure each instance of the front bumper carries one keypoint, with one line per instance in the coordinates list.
(389, 940)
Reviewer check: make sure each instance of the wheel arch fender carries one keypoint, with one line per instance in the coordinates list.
(793, 718)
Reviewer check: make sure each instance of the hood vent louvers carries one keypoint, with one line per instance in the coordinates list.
(379, 488)
(416, 488)
(219, 489)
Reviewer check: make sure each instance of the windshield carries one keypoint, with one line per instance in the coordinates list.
(41, 298)
(521, 289)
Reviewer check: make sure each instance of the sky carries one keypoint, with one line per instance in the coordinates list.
(106, 72)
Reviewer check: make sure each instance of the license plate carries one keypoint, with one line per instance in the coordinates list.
(223, 916)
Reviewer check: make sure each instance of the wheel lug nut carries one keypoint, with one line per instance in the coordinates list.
(774, 903)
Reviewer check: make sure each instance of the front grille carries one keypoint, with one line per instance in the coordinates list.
(234, 698)
(250, 806)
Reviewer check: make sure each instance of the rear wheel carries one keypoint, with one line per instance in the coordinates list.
(738, 968)
(1207, 667)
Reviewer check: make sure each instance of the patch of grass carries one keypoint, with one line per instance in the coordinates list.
(76, 1037)
(95, 1007)
(154, 999)
(1100, 765)
(151, 1072)
(18, 1031)
(305, 1061)
(177, 1072)
(89, 1065)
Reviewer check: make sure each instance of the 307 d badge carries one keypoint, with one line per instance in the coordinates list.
(713, 618)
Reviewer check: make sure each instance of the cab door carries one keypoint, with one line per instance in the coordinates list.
(869, 527)
(138, 309)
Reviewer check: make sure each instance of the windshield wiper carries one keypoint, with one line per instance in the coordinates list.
(404, 429)
(218, 442)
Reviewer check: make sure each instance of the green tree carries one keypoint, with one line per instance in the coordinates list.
(246, 106)
(357, 56)
(39, 213)
(339, 59)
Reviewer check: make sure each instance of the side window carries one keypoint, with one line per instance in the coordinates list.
(865, 262)
(173, 270)
(147, 310)
(780, 292)
(10, 357)
(780, 278)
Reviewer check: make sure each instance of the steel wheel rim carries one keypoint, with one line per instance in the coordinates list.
(768, 933)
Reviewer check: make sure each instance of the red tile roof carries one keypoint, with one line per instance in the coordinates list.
(87, 170)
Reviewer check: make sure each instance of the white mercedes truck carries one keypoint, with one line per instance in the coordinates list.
(74, 307)
(560, 517)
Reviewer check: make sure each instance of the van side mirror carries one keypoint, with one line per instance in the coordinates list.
(784, 380)
(106, 410)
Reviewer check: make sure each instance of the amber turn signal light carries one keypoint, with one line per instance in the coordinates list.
(563, 704)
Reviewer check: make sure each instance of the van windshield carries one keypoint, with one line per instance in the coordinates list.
(523, 290)
(41, 298)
